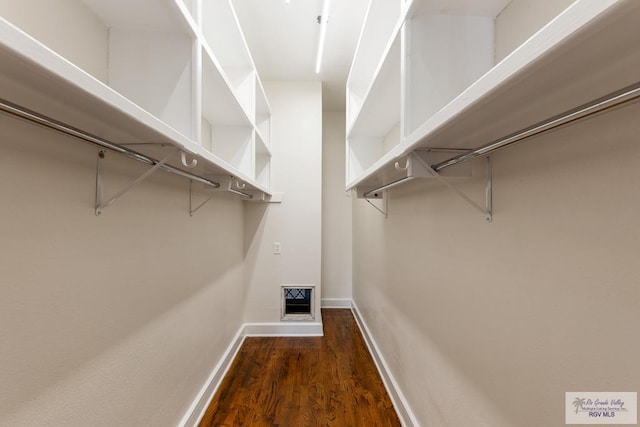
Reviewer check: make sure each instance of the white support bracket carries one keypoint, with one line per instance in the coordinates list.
(233, 185)
(368, 194)
(487, 210)
(384, 210)
(227, 183)
(102, 205)
(262, 197)
(193, 210)
(417, 166)
(411, 170)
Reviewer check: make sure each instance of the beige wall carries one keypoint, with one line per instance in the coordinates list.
(336, 212)
(296, 132)
(133, 309)
(66, 26)
(489, 324)
(485, 324)
(111, 320)
(521, 19)
(119, 319)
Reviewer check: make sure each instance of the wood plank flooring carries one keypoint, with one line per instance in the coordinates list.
(324, 381)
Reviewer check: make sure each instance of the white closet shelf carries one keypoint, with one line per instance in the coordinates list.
(37, 78)
(381, 110)
(489, 8)
(190, 6)
(382, 26)
(221, 30)
(261, 145)
(188, 21)
(263, 115)
(368, 101)
(226, 107)
(135, 14)
(588, 51)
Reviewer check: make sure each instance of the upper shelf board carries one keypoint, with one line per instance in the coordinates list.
(489, 8)
(381, 110)
(144, 15)
(39, 79)
(588, 51)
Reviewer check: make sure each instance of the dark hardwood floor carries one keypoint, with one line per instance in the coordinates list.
(324, 381)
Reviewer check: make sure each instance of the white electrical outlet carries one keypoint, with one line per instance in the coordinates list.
(277, 248)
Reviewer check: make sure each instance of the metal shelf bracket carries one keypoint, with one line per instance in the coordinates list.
(487, 210)
(193, 210)
(418, 166)
(226, 183)
(101, 205)
(384, 210)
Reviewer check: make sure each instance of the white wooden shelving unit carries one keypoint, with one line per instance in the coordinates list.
(177, 75)
(373, 89)
(436, 85)
(263, 137)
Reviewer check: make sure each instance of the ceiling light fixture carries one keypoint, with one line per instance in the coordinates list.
(322, 20)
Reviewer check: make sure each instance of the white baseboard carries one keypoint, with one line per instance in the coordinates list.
(199, 406)
(335, 303)
(397, 398)
(204, 397)
(283, 329)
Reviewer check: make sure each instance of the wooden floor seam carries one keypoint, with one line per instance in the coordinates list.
(304, 381)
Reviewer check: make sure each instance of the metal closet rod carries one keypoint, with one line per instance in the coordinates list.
(607, 102)
(240, 193)
(388, 186)
(53, 124)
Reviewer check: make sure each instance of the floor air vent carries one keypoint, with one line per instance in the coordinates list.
(297, 302)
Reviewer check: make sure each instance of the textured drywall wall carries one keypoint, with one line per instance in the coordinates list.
(296, 132)
(489, 324)
(484, 323)
(336, 211)
(68, 27)
(520, 20)
(111, 320)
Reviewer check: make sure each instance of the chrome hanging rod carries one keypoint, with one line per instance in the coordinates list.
(387, 186)
(607, 102)
(240, 193)
(53, 124)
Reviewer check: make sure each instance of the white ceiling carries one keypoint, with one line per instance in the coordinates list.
(283, 40)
